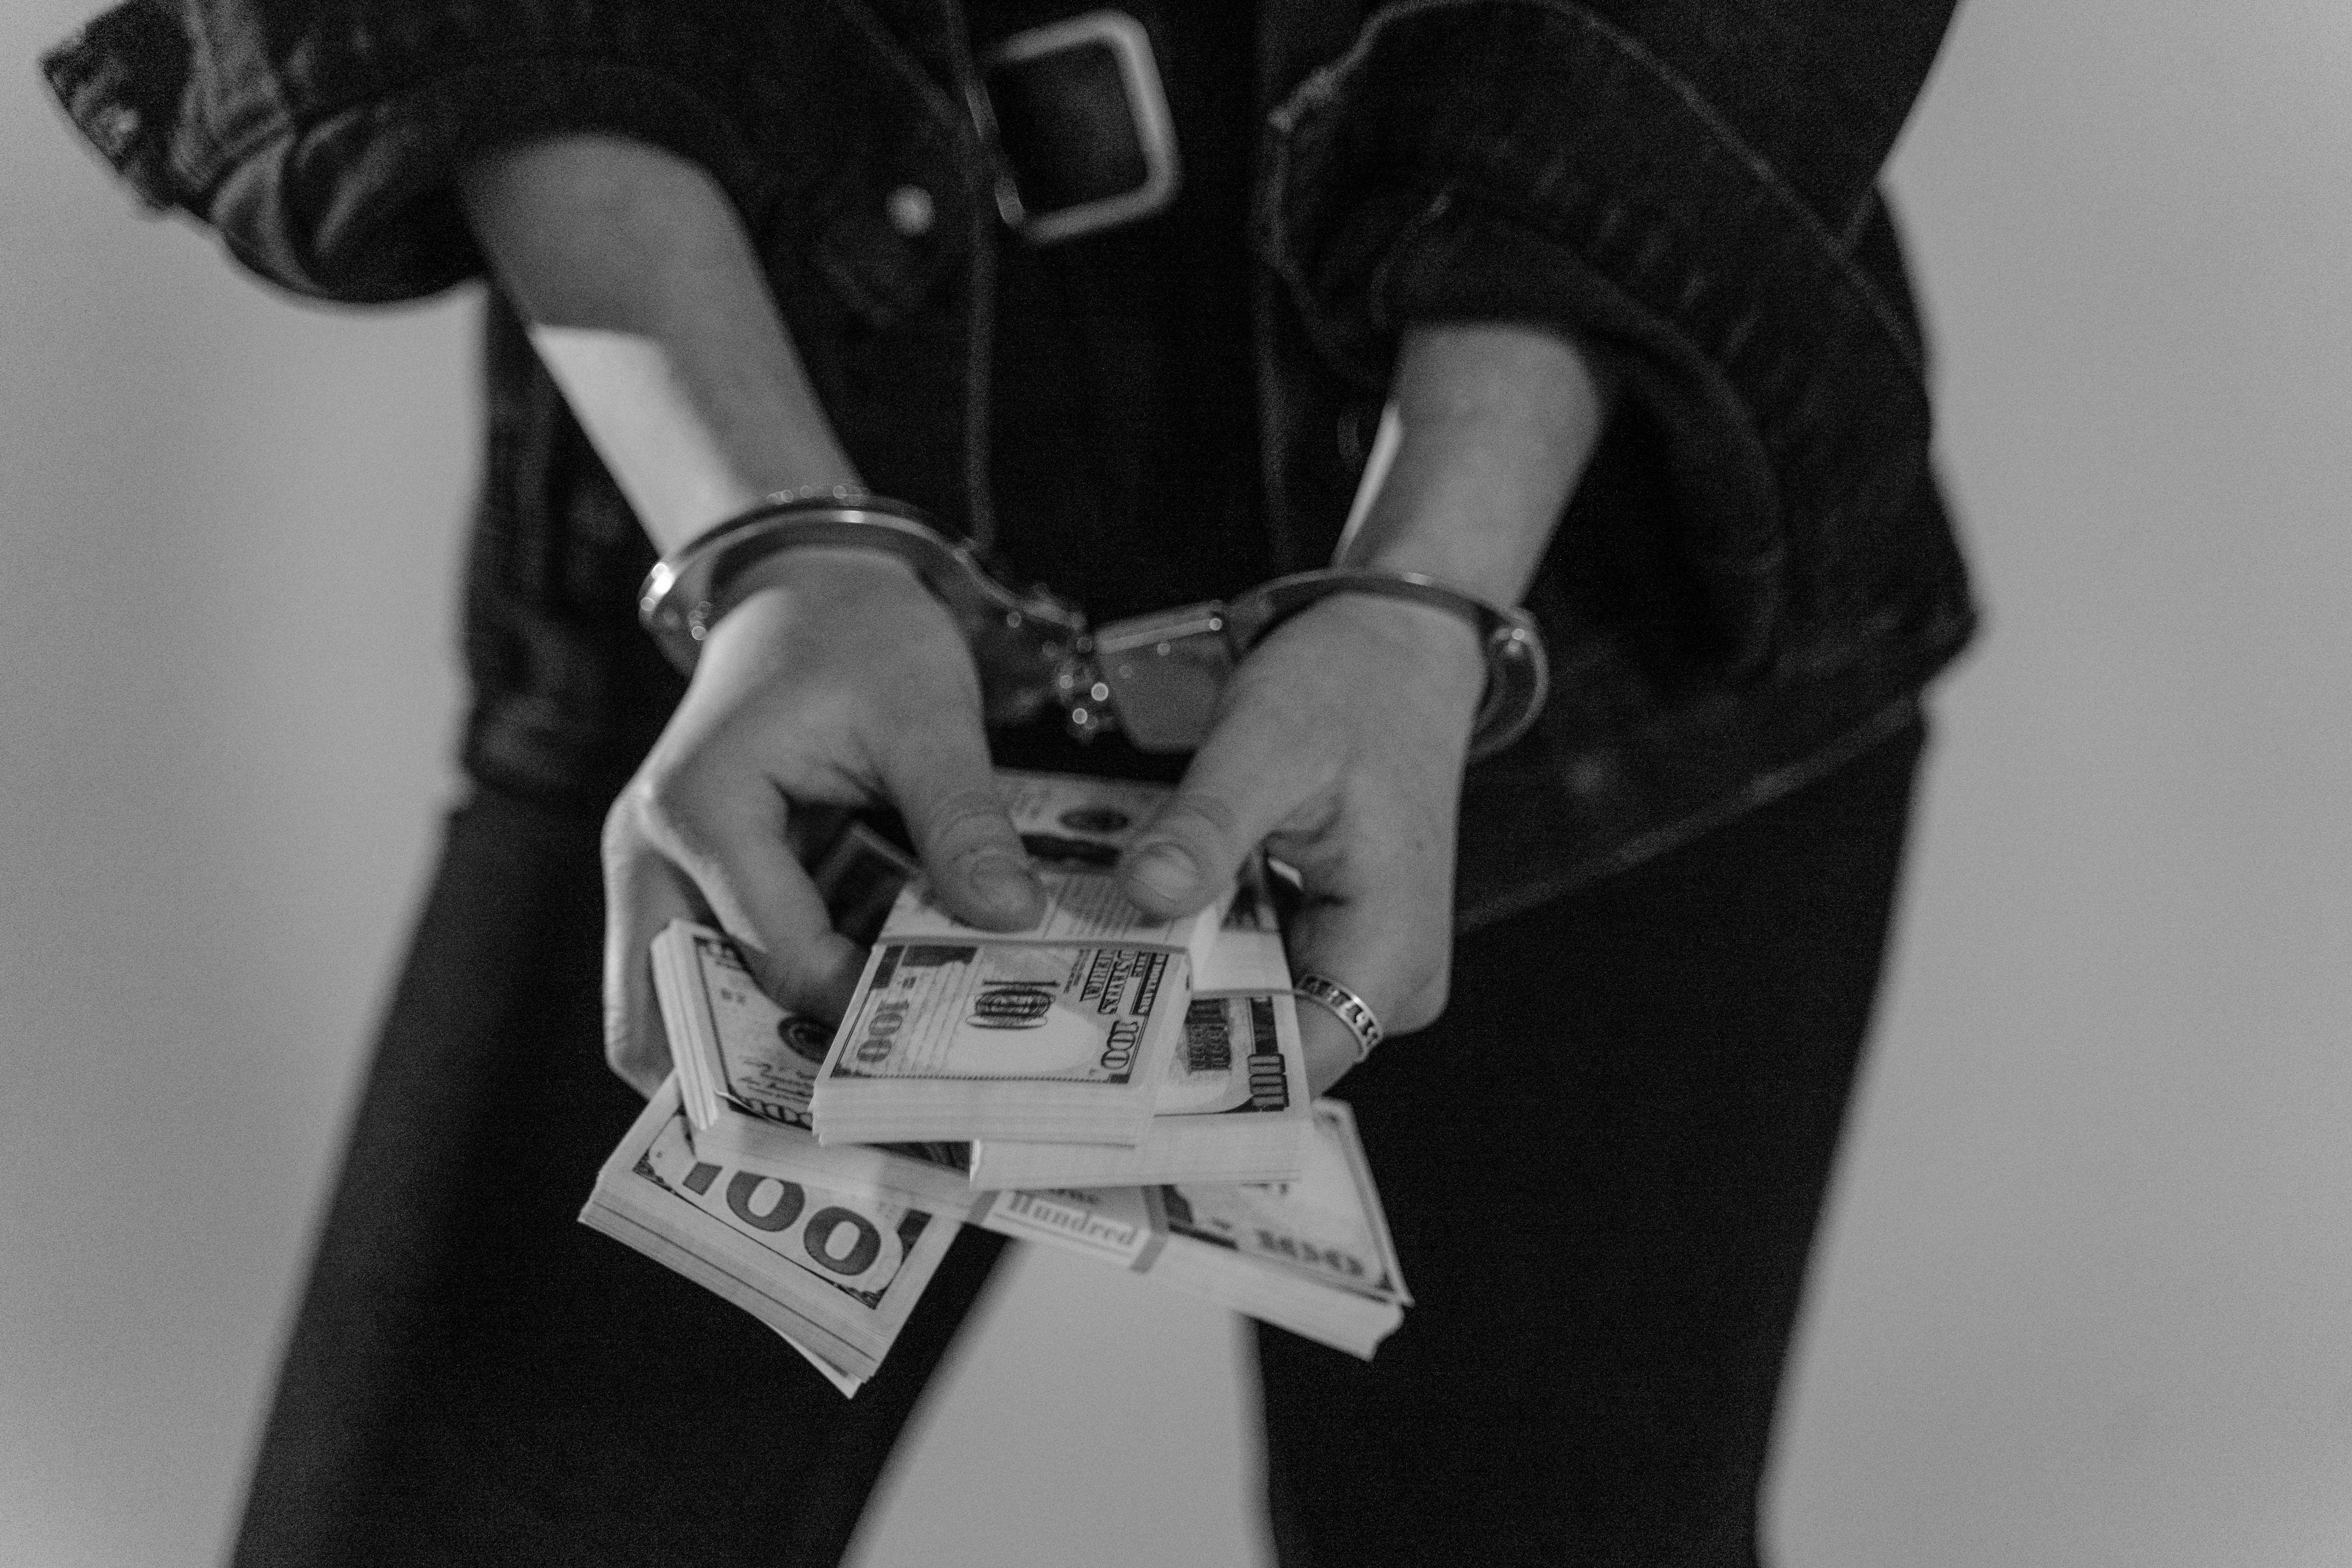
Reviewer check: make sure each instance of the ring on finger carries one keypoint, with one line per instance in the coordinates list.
(1345, 1006)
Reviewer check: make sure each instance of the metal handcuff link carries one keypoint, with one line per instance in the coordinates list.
(1155, 678)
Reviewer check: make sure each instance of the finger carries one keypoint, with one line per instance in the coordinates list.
(643, 893)
(1248, 779)
(1392, 947)
(946, 791)
(733, 847)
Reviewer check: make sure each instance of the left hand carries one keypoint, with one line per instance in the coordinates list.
(1340, 746)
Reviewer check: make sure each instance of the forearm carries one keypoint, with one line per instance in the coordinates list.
(647, 302)
(648, 306)
(1492, 424)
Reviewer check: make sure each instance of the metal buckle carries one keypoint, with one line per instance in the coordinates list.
(1077, 165)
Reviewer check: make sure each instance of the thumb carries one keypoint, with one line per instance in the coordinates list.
(1243, 785)
(978, 869)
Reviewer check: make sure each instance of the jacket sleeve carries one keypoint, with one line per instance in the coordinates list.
(1686, 185)
(318, 140)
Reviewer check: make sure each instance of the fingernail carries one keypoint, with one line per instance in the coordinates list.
(1167, 870)
(1004, 881)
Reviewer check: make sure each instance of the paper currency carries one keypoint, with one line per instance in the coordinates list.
(1245, 957)
(1058, 1033)
(834, 1269)
(1312, 1256)
(735, 1051)
(751, 1065)
(953, 1040)
(1231, 1107)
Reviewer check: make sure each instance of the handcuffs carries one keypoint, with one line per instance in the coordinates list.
(1155, 678)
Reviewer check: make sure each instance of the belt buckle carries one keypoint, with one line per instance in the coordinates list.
(1083, 123)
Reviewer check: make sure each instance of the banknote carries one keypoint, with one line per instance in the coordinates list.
(1312, 1256)
(736, 1052)
(1231, 1107)
(734, 1049)
(1326, 1225)
(1245, 956)
(950, 1040)
(833, 1267)
(756, 1065)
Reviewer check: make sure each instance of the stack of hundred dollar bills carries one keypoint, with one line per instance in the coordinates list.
(1129, 1090)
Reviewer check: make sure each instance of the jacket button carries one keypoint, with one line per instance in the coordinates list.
(912, 211)
(117, 125)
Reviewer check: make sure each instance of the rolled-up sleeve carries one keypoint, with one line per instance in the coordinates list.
(1687, 187)
(319, 140)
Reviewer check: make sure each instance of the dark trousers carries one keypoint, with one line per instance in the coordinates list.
(1603, 1169)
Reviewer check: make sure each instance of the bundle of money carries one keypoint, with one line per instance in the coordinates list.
(745, 1068)
(834, 1266)
(833, 1262)
(1312, 1256)
(1232, 1104)
(1059, 1033)
(967, 1039)
(1231, 1107)
(814, 1176)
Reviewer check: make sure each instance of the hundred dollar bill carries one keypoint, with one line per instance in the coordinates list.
(955, 1040)
(1245, 957)
(745, 1070)
(1232, 1106)
(736, 1051)
(1312, 1256)
(1075, 829)
(834, 1269)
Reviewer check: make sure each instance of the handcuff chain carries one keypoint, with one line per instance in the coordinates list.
(1035, 648)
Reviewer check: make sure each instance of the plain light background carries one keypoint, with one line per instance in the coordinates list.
(2087, 1295)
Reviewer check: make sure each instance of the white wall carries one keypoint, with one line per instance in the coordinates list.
(2089, 1299)
(225, 684)
(2088, 1296)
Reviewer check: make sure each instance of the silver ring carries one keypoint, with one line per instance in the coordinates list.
(1345, 1006)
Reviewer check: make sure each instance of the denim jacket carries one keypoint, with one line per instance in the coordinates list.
(1753, 582)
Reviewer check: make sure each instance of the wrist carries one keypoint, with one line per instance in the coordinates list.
(1451, 652)
(1442, 543)
(1487, 431)
(1446, 654)
(1438, 640)
(782, 609)
(846, 573)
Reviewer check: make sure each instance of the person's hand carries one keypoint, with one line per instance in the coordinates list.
(839, 681)
(1340, 746)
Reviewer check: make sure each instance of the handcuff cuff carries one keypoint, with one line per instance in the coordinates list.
(1155, 678)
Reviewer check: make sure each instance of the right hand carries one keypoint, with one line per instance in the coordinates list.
(839, 680)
